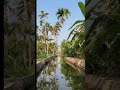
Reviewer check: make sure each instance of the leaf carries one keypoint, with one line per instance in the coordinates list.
(95, 23)
(88, 13)
(46, 14)
(82, 7)
(78, 21)
(74, 36)
(70, 34)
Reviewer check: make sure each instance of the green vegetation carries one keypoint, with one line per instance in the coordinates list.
(76, 81)
(61, 13)
(102, 51)
(75, 47)
(19, 56)
(47, 34)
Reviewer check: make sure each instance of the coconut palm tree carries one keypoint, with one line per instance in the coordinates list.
(42, 16)
(50, 27)
(47, 25)
(56, 29)
(61, 13)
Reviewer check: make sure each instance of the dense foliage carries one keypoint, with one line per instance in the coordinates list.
(102, 47)
(19, 52)
(75, 46)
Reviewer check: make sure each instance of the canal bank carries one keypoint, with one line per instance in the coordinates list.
(42, 64)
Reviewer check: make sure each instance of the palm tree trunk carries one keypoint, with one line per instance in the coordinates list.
(47, 48)
(55, 47)
(56, 43)
(47, 41)
(45, 37)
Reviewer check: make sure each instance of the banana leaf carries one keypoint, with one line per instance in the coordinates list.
(82, 7)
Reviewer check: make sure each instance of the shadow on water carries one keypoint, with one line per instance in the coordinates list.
(58, 75)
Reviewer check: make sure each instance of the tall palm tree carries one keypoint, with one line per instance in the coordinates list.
(47, 25)
(51, 31)
(61, 13)
(56, 28)
(42, 16)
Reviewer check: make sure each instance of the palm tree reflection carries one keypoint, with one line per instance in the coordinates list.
(50, 81)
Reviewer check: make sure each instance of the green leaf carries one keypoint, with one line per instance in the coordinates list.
(82, 7)
(70, 34)
(95, 23)
(74, 36)
(76, 22)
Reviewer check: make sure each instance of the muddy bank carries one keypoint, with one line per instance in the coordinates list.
(76, 62)
(94, 82)
(42, 64)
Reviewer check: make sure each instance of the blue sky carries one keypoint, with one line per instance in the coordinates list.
(51, 7)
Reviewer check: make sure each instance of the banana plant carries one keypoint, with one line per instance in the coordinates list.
(78, 32)
(100, 12)
(78, 23)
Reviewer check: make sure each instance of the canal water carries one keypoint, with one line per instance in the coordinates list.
(58, 75)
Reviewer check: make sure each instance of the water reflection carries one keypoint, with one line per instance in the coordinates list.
(60, 76)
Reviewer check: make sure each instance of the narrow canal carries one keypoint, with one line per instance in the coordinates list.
(58, 75)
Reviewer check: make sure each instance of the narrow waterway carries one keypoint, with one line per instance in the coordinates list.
(58, 75)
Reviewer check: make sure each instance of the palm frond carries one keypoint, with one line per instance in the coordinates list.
(95, 23)
(78, 21)
(74, 36)
(70, 34)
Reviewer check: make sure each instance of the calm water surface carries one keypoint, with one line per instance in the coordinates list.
(58, 75)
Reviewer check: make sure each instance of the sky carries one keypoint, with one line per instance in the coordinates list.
(51, 7)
